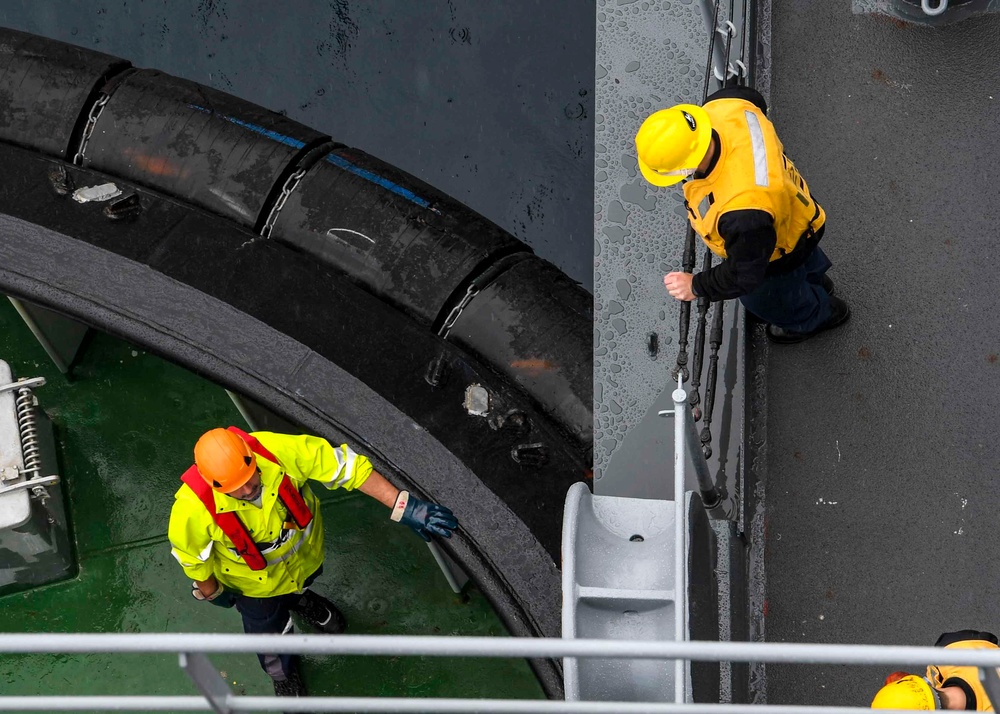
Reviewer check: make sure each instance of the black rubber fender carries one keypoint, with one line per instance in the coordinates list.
(47, 89)
(401, 239)
(207, 147)
(535, 325)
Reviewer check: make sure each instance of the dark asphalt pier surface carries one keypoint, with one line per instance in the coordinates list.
(882, 436)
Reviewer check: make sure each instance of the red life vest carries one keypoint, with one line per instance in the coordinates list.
(230, 523)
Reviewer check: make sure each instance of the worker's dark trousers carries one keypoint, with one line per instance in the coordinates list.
(795, 300)
(272, 616)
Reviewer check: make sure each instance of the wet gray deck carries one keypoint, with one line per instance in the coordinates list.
(882, 440)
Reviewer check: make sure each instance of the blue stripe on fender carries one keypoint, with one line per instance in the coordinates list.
(286, 140)
(379, 180)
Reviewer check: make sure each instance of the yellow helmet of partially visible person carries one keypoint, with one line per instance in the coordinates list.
(907, 692)
(224, 460)
(672, 142)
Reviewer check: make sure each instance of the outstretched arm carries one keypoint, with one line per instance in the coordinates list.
(378, 487)
(425, 518)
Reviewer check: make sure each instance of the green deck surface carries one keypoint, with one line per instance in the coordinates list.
(126, 422)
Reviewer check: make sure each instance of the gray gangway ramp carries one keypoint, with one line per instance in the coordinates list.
(881, 437)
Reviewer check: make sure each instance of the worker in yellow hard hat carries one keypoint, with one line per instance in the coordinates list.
(752, 208)
(247, 529)
(942, 687)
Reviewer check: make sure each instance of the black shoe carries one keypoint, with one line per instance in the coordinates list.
(320, 613)
(827, 285)
(839, 314)
(293, 686)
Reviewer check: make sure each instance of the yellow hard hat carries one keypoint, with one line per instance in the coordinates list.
(909, 692)
(672, 142)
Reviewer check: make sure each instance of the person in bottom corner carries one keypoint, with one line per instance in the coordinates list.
(942, 687)
(247, 529)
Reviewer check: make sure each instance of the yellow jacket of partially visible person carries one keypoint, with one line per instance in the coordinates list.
(203, 550)
(946, 676)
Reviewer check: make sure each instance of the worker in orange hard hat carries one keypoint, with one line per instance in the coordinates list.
(750, 206)
(247, 529)
(942, 687)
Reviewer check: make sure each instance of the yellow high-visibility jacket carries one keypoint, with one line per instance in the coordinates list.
(203, 550)
(752, 172)
(939, 675)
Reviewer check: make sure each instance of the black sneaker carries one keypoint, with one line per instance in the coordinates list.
(293, 686)
(839, 314)
(320, 613)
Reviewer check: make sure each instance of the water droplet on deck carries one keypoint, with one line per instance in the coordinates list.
(637, 193)
(617, 213)
(616, 234)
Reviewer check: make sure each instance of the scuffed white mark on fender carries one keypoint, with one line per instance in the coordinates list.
(333, 233)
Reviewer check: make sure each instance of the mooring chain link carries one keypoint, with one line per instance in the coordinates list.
(291, 183)
(715, 340)
(88, 130)
(456, 311)
(695, 364)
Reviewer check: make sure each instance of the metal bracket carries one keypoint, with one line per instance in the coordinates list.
(33, 484)
(206, 678)
(731, 71)
(29, 383)
(453, 573)
(933, 10)
(60, 336)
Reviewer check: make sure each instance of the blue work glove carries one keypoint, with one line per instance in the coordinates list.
(221, 597)
(426, 519)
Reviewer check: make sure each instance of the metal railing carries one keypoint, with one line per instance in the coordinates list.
(685, 439)
(216, 696)
(721, 70)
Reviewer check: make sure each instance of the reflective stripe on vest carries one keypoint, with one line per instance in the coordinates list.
(230, 523)
(752, 173)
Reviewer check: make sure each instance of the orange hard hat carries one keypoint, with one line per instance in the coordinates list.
(224, 460)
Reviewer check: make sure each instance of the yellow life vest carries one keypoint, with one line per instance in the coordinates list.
(938, 675)
(752, 172)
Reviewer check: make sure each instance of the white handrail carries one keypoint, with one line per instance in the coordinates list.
(516, 647)
(401, 645)
(680, 534)
(401, 706)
